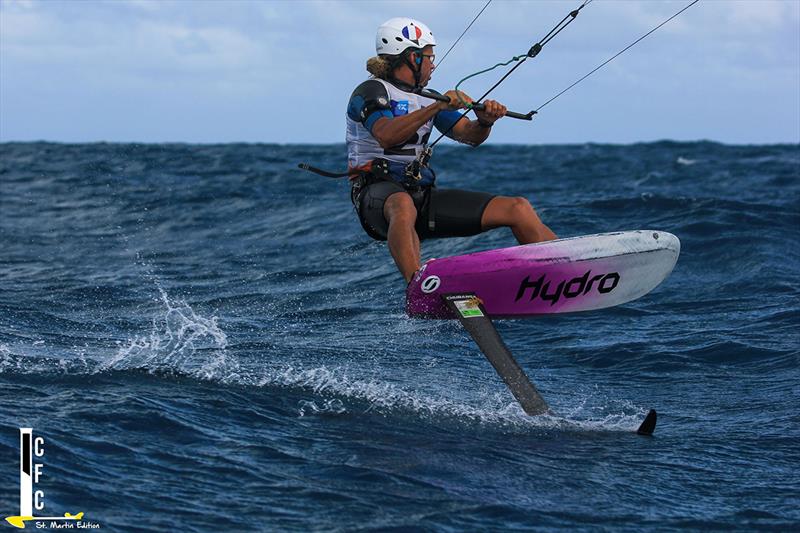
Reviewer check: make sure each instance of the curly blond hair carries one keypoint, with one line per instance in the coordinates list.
(380, 67)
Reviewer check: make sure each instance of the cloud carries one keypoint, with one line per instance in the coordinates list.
(294, 63)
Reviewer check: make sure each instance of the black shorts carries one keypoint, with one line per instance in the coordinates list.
(440, 212)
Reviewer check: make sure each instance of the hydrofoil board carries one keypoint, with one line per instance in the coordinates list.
(566, 275)
(561, 276)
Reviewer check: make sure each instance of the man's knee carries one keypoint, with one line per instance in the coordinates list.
(400, 208)
(519, 208)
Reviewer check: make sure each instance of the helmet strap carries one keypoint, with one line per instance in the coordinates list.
(416, 67)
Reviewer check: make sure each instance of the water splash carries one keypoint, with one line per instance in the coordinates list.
(175, 343)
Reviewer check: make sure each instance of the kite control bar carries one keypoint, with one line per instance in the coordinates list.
(476, 107)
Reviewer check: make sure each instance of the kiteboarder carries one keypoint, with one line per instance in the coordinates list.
(389, 121)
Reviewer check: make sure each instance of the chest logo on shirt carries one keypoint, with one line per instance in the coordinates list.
(399, 108)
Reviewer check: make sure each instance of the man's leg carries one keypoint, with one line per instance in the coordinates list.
(518, 214)
(403, 240)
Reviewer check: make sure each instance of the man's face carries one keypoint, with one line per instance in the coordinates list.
(427, 65)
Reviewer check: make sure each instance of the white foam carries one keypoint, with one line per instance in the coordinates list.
(332, 406)
(384, 398)
(8, 363)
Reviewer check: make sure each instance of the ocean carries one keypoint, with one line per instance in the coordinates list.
(206, 340)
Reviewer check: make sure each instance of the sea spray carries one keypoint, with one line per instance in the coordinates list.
(180, 340)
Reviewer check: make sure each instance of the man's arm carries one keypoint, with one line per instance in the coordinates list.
(474, 132)
(397, 130)
(393, 131)
(369, 104)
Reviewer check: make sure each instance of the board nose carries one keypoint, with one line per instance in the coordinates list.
(667, 241)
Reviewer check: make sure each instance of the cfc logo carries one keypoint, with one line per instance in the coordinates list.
(32, 449)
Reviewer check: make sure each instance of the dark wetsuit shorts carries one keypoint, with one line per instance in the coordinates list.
(440, 212)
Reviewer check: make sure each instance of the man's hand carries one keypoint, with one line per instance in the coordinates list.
(492, 112)
(470, 131)
(455, 103)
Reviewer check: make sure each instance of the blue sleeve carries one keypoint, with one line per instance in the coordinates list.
(374, 116)
(368, 103)
(444, 121)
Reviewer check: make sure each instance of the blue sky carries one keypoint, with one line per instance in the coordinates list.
(275, 71)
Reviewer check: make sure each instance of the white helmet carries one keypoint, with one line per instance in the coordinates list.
(397, 34)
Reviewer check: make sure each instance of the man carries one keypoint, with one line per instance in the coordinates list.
(388, 127)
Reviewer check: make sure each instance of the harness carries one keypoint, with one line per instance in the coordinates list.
(376, 171)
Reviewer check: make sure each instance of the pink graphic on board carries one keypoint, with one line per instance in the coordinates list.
(562, 276)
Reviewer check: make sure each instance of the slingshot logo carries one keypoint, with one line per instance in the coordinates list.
(29, 499)
(430, 284)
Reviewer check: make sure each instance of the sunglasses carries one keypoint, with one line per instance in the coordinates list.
(431, 57)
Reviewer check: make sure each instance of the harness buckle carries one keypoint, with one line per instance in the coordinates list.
(412, 170)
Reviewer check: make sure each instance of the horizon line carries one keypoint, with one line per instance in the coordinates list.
(343, 144)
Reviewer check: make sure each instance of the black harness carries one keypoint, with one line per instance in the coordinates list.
(376, 171)
(379, 171)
